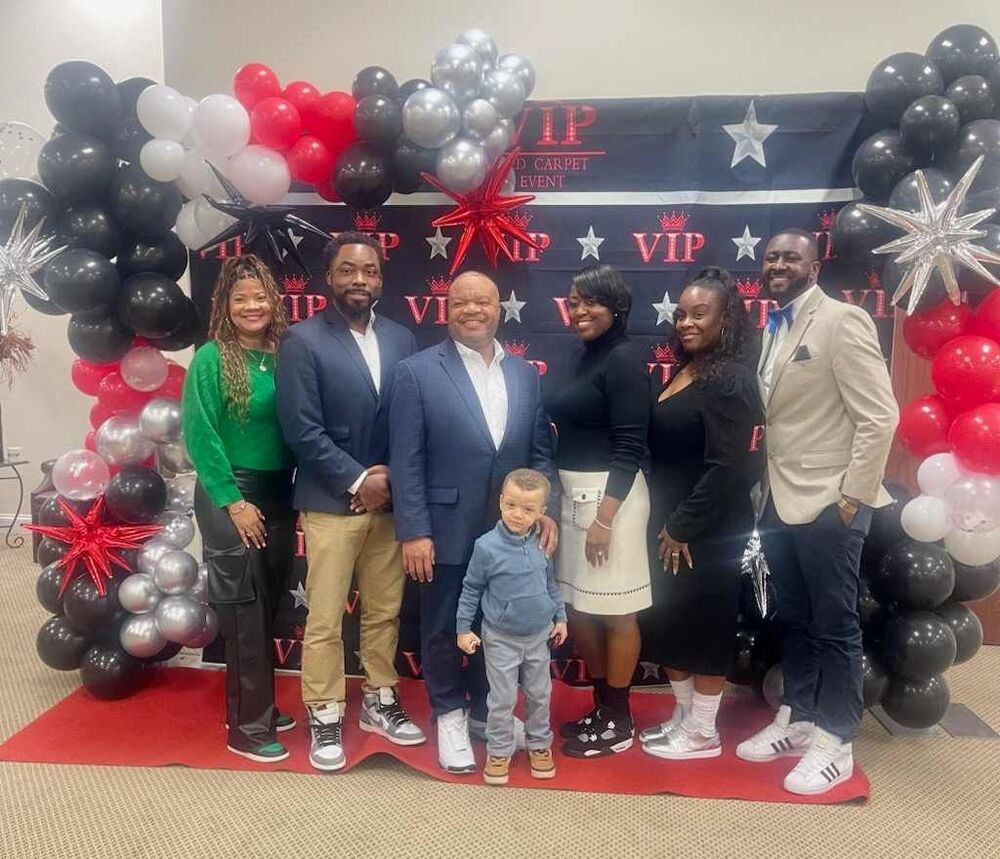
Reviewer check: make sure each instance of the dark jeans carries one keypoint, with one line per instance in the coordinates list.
(449, 685)
(815, 572)
(245, 588)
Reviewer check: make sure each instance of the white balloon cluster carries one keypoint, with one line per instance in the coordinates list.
(956, 506)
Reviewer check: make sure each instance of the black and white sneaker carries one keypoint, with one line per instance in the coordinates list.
(607, 734)
(578, 726)
(381, 713)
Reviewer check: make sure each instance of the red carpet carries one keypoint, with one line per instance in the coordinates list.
(177, 719)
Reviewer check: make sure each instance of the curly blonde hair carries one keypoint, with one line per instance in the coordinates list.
(235, 378)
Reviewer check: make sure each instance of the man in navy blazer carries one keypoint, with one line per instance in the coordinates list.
(334, 383)
(464, 414)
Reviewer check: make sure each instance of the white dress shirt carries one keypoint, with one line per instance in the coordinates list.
(490, 385)
(771, 344)
(368, 344)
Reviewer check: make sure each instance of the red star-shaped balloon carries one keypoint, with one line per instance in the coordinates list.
(482, 214)
(92, 542)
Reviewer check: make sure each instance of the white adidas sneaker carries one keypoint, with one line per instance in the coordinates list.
(780, 739)
(827, 763)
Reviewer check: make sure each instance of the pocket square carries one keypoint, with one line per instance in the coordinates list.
(802, 353)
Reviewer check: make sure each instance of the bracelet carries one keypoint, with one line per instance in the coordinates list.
(597, 521)
(232, 508)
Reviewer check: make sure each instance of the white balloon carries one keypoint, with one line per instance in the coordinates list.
(197, 177)
(925, 519)
(260, 174)
(222, 123)
(162, 159)
(937, 473)
(974, 503)
(973, 548)
(187, 228)
(210, 220)
(144, 368)
(192, 140)
(19, 148)
(163, 112)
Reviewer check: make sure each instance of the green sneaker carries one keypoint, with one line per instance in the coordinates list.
(284, 722)
(270, 753)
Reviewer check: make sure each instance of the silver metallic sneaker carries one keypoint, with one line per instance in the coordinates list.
(326, 725)
(382, 714)
(656, 733)
(687, 743)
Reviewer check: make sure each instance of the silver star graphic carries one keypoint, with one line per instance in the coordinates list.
(664, 309)
(590, 244)
(937, 237)
(512, 308)
(745, 244)
(749, 136)
(650, 670)
(439, 244)
(20, 257)
(299, 595)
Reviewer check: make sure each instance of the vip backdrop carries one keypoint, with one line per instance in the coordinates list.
(658, 188)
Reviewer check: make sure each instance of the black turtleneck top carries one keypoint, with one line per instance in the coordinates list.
(600, 406)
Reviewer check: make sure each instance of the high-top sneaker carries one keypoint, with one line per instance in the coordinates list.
(381, 713)
(827, 763)
(607, 734)
(326, 726)
(780, 739)
(579, 726)
(454, 746)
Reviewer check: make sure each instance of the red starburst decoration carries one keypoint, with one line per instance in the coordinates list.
(482, 214)
(92, 542)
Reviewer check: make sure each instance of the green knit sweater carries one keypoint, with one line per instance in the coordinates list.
(215, 439)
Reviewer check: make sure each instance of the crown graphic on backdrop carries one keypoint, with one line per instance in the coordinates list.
(294, 283)
(366, 222)
(515, 347)
(663, 354)
(673, 222)
(521, 218)
(748, 288)
(439, 284)
(826, 218)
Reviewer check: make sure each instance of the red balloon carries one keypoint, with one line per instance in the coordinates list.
(87, 376)
(986, 319)
(331, 119)
(927, 331)
(975, 439)
(310, 160)
(253, 83)
(275, 123)
(90, 442)
(328, 192)
(301, 95)
(99, 413)
(923, 426)
(117, 397)
(966, 371)
(172, 388)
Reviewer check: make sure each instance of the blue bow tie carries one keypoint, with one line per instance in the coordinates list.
(777, 315)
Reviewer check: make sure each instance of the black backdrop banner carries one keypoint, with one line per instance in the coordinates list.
(658, 188)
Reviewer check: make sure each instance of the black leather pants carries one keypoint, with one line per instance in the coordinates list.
(245, 586)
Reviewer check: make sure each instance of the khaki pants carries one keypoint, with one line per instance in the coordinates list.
(337, 549)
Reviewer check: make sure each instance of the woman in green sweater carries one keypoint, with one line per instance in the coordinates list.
(243, 497)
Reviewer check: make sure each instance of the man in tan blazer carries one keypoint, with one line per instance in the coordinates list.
(831, 416)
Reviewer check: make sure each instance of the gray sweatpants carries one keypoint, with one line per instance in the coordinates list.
(508, 658)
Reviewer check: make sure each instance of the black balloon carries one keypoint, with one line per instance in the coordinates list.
(50, 513)
(904, 195)
(885, 530)
(60, 645)
(966, 626)
(868, 605)
(170, 650)
(972, 96)
(142, 205)
(109, 672)
(981, 137)
(373, 80)
(993, 76)
(408, 162)
(92, 226)
(874, 680)
(47, 588)
(963, 49)
(929, 124)
(897, 81)
(975, 583)
(37, 200)
(408, 88)
(378, 120)
(190, 332)
(361, 177)
(101, 339)
(136, 495)
(917, 704)
(46, 307)
(880, 162)
(82, 97)
(918, 645)
(153, 305)
(967, 279)
(166, 256)
(754, 651)
(130, 89)
(50, 551)
(76, 167)
(129, 139)
(855, 233)
(91, 612)
(916, 575)
(82, 281)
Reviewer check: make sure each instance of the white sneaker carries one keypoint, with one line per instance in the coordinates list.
(381, 713)
(828, 762)
(454, 746)
(780, 739)
(477, 730)
(685, 743)
(326, 725)
(664, 729)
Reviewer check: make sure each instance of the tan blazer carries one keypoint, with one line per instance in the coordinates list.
(830, 411)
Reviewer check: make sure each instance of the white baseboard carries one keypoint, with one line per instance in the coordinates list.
(23, 519)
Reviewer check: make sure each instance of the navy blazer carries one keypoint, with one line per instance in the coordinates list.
(330, 413)
(446, 474)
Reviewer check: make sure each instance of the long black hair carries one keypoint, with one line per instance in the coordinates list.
(606, 286)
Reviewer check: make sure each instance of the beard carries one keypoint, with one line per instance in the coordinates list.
(796, 286)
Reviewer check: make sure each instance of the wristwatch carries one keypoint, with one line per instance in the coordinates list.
(848, 505)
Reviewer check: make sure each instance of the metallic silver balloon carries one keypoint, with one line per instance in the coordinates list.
(482, 43)
(522, 67)
(174, 457)
(208, 632)
(141, 637)
(150, 554)
(139, 593)
(160, 420)
(119, 441)
(504, 90)
(180, 619)
(479, 118)
(497, 141)
(176, 572)
(180, 493)
(462, 164)
(431, 118)
(458, 71)
(198, 592)
(178, 529)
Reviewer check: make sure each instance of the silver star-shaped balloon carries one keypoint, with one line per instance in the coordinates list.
(21, 256)
(936, 237)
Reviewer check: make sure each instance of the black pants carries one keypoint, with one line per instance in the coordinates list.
(245, 587)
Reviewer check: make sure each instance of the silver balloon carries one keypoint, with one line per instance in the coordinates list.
(139, 593)
(458, 71)
(522, 68)
(178, 529)
(180, 619)
(462, 164)
(206, 635)
(180, 493)
(119, 441)
(175, 572)
(174, 457)
(479, 118)
(773, 686)
(141, 637)
(497, 141)
(150, 554)
(198, 592)
(504, 90)
(482, 43)
(431, 118)
(160, 420)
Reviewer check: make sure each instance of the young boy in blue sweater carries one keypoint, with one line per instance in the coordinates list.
(512, 579)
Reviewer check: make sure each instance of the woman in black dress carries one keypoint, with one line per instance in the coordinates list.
(706, 434)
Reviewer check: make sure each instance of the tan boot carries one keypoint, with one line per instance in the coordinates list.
(497, 770)
(543, 765)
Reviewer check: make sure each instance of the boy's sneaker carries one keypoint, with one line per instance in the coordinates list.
(497, 770)
(686, 743)
(381, 713)
(269, 753)
(827, 763)
(608, 734)
(578, 726)
(543, 765)
(284, 722)
(326, 726)
(780, 739)
(454, 746)
(656, 733)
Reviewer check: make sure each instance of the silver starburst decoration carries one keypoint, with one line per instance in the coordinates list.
(937, 237)
(754, 565)
(21, 256)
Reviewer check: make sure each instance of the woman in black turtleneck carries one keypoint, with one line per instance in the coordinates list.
(600, 408)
